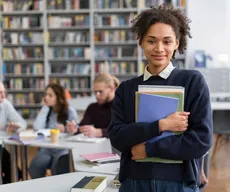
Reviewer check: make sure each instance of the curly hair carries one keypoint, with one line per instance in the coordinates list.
(166, 14)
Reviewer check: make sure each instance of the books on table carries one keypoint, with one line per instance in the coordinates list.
(155, 102)
(116, 182)
(101, 158)
(90, 184)
(26, 137)
(44, 132)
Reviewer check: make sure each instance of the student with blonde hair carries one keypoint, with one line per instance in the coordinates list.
(98, 115)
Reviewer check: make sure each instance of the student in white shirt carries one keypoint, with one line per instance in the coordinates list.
(10, 121)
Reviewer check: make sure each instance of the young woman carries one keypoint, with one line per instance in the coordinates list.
(161, 32)
(53, 114)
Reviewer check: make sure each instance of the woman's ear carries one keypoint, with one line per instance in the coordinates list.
(140, 43)
(177, 44)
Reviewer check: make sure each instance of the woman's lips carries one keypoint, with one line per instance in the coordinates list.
(158, 57)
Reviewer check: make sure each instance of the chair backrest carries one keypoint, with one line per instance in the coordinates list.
(221, 121)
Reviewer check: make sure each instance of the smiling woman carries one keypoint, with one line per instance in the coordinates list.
(161, 31)
(166, 32)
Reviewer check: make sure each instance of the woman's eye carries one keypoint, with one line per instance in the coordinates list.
(151, 42)
(167, 42)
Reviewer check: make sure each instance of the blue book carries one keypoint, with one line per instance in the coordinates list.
(155, 107)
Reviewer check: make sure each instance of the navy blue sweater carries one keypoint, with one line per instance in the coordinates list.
(124, 132)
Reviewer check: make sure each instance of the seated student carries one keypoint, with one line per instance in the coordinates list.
(98, 115)
(53, 114)
(10, 121)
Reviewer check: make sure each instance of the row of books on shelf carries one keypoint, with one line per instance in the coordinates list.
(73, 83)
(116, 67)
(25, 98)
(113, 20)
(114, 4)
(71, 68)
(25, 22)
(67, 4)
(105, 36)
(118, 51)
(22, 37)
(21, 83)
(68, 21)
(69, 52)
(18, 69)
(68, 37)
(148, 3)
(28, 113)
(108, 36)
(22, 53)
(22, 5)
(100, 52)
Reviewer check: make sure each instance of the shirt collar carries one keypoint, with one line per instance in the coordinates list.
(163, 74)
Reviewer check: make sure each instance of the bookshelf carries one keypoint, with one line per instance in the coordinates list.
(70, 42)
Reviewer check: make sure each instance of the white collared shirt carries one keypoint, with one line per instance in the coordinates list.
(163, 74)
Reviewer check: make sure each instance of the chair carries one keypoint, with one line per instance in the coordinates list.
(221, 127)
(64, 164)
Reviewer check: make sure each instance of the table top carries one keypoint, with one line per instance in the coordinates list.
(110, 168)
(59, 183)
(62, 144)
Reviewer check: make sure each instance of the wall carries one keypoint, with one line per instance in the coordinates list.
(209, 28)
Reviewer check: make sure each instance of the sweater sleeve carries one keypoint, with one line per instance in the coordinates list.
(197, 140)
(86, 118)
(40, 121)
(124, 135)
(72, 115)
(105, 132)
(13, 116)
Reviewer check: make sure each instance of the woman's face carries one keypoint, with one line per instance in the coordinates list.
(50, 98)
(159, 44)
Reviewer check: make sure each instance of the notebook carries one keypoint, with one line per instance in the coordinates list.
(82, 138)
(161, 105)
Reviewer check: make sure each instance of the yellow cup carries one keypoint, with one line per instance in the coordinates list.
(54, 135)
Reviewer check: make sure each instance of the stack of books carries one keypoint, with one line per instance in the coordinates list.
(26, 137)
(90, 184)
(101, 158)
(157, 102)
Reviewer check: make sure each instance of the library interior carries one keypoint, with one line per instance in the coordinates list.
(77, 75)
